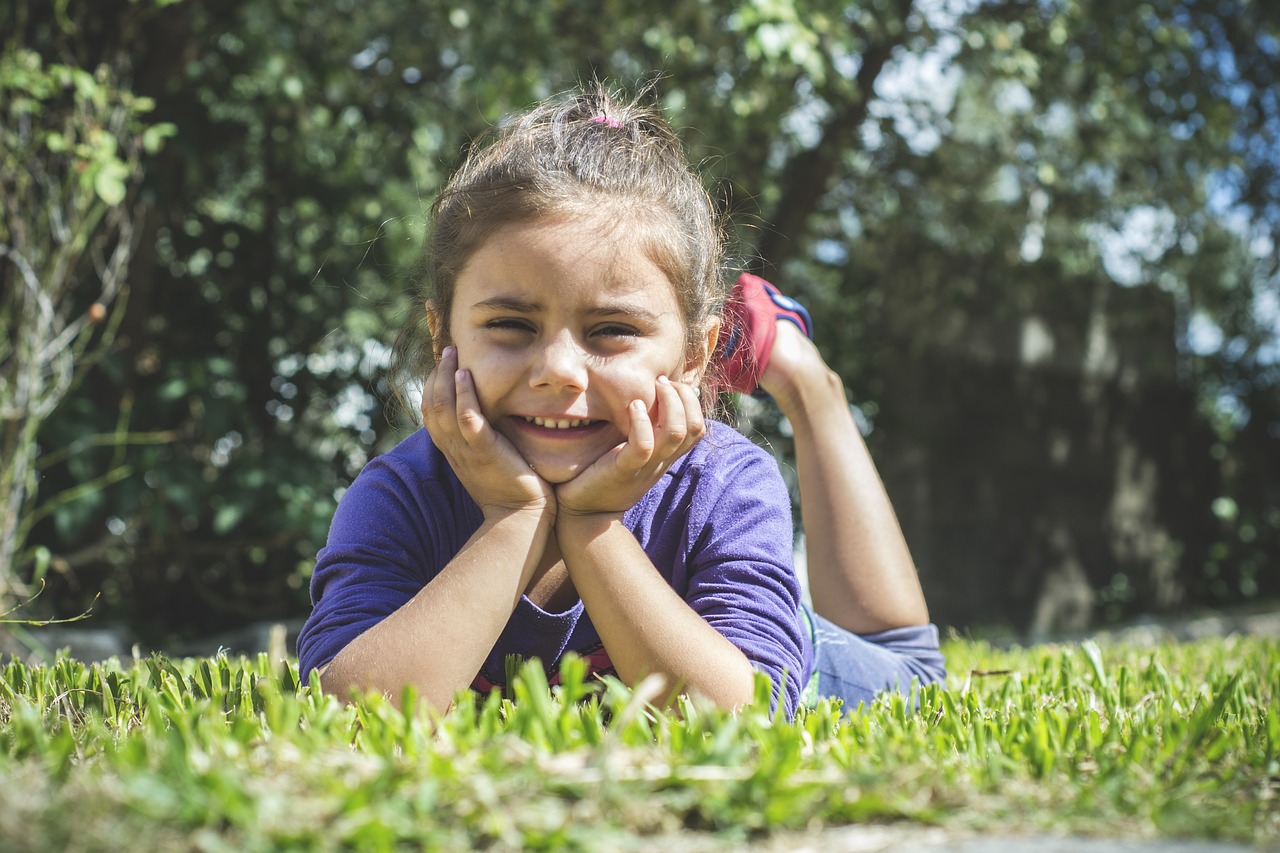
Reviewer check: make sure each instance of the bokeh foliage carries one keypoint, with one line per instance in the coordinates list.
(941, 183)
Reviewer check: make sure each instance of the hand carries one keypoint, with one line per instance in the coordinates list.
(493, 472)
(618, 479)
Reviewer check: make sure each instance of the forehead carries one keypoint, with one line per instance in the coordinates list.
(567, 260)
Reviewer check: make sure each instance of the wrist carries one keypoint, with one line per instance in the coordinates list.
(535, 514)
(522, 533)
(578, 525)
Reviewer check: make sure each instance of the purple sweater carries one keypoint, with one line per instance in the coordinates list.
(717, 526)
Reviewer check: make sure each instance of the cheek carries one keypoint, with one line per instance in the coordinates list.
(485, 394)
(487, 374)
(636, 381)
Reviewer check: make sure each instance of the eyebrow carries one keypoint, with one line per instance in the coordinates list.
(526, 306)
(507, 303)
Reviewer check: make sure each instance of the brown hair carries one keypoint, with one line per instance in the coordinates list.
(575, 154)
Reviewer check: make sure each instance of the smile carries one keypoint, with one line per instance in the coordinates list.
(561, 423)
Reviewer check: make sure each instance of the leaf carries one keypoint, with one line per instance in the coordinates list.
(153, 137)
(109, 182)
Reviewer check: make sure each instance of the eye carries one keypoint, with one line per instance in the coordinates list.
(512, 324)
(616, 330)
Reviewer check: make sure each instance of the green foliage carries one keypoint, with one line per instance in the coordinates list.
(31, 93)
(1178, 741)
(71, 145)
(932, 184)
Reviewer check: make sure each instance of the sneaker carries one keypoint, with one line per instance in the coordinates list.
(751, 316)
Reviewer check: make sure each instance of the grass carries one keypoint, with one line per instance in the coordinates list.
(232, 754)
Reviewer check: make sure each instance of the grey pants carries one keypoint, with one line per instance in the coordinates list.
(858, 667)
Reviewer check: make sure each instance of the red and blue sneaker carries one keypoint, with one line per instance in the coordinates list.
(751, 319)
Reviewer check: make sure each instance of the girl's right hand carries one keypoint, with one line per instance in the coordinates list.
(493, 472)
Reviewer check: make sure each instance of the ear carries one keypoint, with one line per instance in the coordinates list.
(436, 326)
(698, 357)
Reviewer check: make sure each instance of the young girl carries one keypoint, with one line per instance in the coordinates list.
(568, 492)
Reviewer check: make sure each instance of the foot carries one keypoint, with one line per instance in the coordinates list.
(753, 315)
(796, 373)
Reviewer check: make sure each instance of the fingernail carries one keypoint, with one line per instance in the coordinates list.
(664, 380)
(449, 352)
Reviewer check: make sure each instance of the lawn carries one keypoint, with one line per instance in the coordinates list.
(1173, 740)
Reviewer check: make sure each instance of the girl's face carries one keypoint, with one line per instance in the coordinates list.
(562, 325)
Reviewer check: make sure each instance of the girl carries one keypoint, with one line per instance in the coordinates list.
(568, 492)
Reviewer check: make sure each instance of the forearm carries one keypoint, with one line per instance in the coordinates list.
(439, 639)
(645, 626)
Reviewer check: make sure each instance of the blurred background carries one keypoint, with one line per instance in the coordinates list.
(1038, 238)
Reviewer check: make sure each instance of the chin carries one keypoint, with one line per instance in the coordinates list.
(558, 474)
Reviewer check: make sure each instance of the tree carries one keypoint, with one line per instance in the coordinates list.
(71, 143)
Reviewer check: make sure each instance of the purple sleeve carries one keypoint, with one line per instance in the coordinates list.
(400, 521)
(742, 577)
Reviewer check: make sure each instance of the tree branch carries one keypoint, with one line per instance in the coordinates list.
(809, 174)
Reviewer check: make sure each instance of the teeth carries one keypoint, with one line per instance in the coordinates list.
(563, 423)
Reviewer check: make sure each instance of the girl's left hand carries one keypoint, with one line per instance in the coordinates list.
(619, 478)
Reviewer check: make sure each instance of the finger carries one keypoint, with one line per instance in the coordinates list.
(696, 426)
(471, 421)
(640, 442)
(672, 421)
(432, 406)
(438, 392)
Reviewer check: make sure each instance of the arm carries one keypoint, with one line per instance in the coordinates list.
(646, 627)
(438, 640)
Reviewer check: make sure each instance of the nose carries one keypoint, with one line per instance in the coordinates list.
(560, 363)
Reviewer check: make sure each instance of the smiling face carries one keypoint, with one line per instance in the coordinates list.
(562, 326)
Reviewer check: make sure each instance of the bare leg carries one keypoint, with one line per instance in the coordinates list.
(860, 570)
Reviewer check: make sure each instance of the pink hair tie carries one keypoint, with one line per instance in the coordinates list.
(605, 120)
